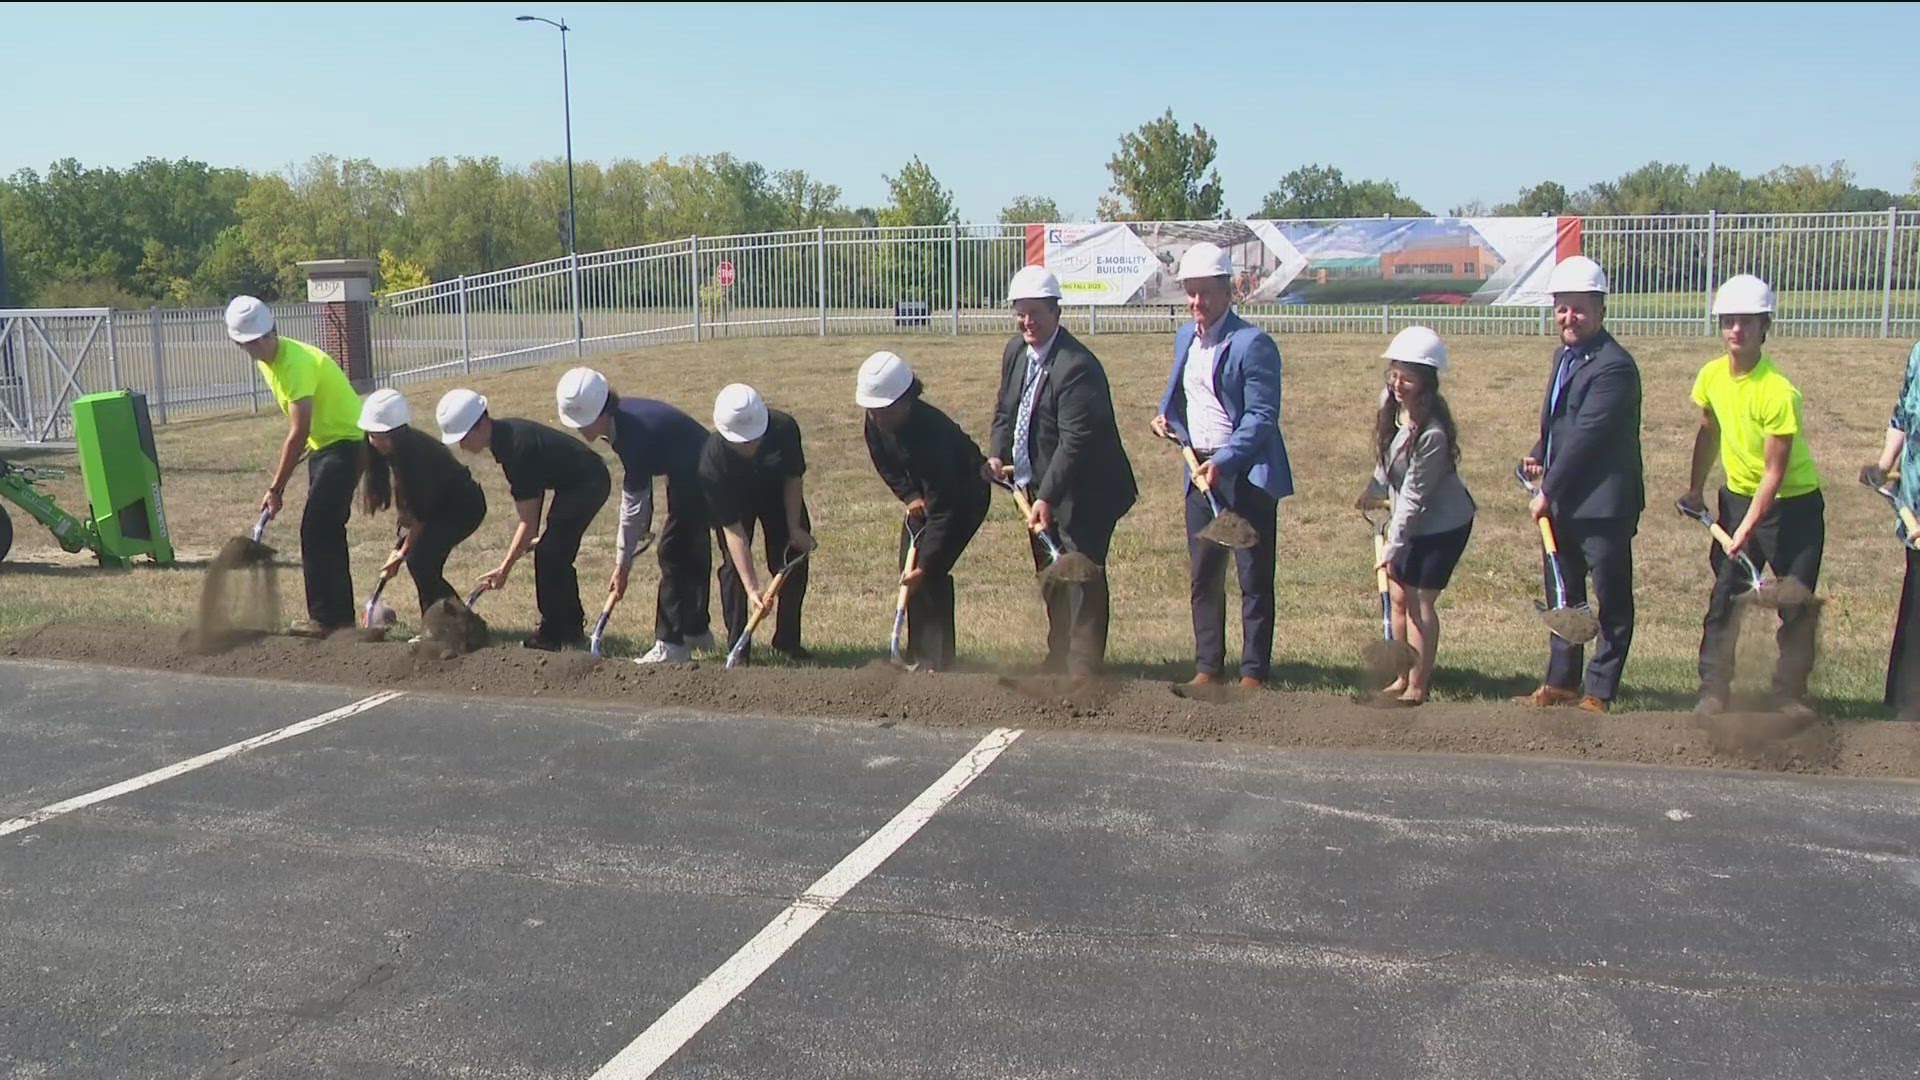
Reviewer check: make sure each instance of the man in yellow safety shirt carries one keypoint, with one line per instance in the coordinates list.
(1771, 504)
(323, 414)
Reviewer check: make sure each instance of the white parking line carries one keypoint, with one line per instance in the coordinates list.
(148, 779)
(691, 1013)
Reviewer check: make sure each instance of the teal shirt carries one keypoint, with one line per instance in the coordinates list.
(1906, 418)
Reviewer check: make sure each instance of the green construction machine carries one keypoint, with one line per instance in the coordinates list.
(122, 473)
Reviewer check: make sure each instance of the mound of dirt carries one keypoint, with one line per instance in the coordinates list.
(882, 693)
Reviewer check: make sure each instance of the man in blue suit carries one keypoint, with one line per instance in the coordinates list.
(1223, 399)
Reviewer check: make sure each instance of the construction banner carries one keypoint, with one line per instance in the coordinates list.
(1353, 261)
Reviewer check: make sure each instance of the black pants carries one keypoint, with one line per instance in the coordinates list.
(1077, 614)
(1603, 548)
(685, 553)
(931, 610)
(1903, 663)
(1207, 579)
(460, 512)
(556, 585)
(1791, 540)
(332, 472)
(770, 509)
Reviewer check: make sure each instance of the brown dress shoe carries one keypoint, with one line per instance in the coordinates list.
(1248, 682)
(1205, 678)
(1594, 705)
(1547, 697)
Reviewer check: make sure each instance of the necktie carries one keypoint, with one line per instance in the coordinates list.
(1568, 358)
(1023, 423)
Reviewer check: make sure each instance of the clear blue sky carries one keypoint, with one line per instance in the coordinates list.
(1453, 101)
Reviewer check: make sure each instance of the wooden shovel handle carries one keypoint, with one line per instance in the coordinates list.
(766, 605)
(1546, 537)
(1720, 536)
(1026, 509)
(1380, 572)
(913, 559)
(1193, 466)
(1912, 523)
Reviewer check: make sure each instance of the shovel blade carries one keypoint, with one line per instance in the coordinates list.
(1230, 530)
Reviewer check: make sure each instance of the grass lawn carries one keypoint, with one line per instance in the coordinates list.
(215, 469)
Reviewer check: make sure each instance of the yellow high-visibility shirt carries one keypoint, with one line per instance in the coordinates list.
(299, 370)
(1749, 408)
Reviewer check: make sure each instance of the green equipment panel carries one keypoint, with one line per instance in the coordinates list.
(122, 473)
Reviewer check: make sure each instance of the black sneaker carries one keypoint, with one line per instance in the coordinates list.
(798, 653)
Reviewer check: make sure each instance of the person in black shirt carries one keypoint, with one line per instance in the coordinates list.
(437, 500)
(935, 469)
(751, 470)
(652, 438)
(536, 459)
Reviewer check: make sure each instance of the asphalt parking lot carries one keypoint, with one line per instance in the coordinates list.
(431, 886)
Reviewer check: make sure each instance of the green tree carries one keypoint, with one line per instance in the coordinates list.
(1322, 191)
(918, 197)
(1030, 210)
(1162, 173)
(1547, 198)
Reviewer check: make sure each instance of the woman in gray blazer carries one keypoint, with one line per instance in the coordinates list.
(1416, 459)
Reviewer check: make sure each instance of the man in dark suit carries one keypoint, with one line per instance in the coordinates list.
(1223, 399)
(1053, 427)
(1587, 465)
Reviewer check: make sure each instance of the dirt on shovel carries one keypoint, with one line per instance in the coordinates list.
(1230, 530)
(1072, 568)
(1577, 625)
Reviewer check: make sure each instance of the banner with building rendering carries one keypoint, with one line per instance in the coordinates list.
(1368, 260)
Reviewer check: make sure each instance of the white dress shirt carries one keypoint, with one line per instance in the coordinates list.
(1208, 425)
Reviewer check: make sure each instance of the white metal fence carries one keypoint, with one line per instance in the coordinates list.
(1840, 275)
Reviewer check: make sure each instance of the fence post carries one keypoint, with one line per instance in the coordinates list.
(1386, 323)
(953, 273)
(820, 272)
(113, 355)
(1886, 291)
(159, 363)
(466, 342)
(573, 272)
(1713, 249)
(693, 279)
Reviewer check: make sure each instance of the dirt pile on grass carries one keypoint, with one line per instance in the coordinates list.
(881, 693)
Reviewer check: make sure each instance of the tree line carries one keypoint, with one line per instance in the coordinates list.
(185, 232)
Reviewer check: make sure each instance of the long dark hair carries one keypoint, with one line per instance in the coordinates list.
(1387, 424)
(386, 478)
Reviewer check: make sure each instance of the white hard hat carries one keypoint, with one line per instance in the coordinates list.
(248, 319)
(1417, 345)
(739, 414)
(1743, 294)
(882, 379)
(456, 414)
(1577, 273)
(581, 395)
(384, 410)
(1033, 283)
(1204, 260)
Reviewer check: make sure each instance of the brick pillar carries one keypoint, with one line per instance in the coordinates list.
(347, 335)
(344, 290)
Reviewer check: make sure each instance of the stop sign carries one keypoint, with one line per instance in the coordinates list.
(725, 274)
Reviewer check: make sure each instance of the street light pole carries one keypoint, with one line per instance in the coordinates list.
(566, 106)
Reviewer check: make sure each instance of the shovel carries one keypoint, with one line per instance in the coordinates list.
(606, 609)
(1574, 624)
(900, 605)
(739, 650)
(1773, 594)
(1907, 518)
(1386, 658)
(1228, 529)
(1063, 567)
